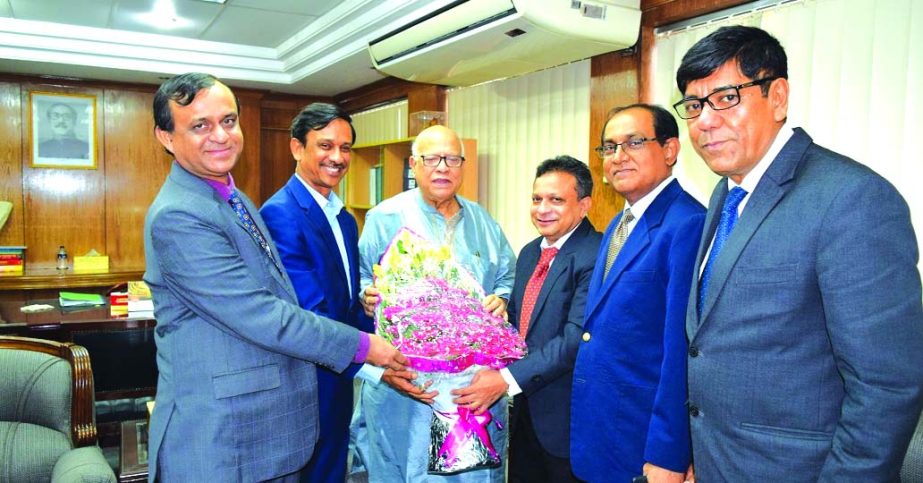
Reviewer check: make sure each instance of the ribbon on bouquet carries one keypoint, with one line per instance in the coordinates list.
(467, 423)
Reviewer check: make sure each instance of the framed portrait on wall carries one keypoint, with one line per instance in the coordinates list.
(62, 130)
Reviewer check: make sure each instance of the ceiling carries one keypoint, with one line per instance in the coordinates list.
(309, 47)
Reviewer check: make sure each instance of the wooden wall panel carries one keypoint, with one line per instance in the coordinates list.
(62, 206)
(247, 171)
(12, 233)
(278, 163)
(613, 82)
(275, 133)
(136, 166)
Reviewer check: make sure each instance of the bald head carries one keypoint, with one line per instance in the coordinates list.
(440, 183)
(435, 134)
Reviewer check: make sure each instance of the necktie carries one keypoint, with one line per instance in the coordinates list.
(251, 227)
(617, 240)
(725, 225)
(534, 287)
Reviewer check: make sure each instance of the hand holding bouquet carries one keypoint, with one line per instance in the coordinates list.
(430, 309)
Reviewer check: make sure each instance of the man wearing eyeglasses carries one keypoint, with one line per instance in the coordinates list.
(629, 417)
(396, 426)
(805, 325)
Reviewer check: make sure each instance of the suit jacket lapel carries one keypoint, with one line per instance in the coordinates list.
(637, 241)
(560, 265)
(773, 186)
(316, 223)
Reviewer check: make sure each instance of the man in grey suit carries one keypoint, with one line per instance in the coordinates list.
(236, 395)
(806, 325)
(547, 304)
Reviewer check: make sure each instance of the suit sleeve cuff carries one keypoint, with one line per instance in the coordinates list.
(507, 376)
(363, 351)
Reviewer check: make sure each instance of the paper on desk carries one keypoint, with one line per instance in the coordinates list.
(31, 309)
(76, 299)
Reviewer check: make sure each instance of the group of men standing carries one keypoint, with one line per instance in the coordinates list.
(774, 336)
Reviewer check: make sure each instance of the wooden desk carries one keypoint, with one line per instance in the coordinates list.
(122, 350)
(133, 451)
(49, 278)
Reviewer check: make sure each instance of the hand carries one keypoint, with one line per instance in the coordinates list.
(495, 305)
(486, 387)
(383, 354)
(690, 474)
(370, 299)
(656, 474)
(401, 380)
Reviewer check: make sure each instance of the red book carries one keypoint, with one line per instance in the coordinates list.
(10, 261)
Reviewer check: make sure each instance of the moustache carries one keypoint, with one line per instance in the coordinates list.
(61, 124)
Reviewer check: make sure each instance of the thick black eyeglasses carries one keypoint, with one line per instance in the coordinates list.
(633, 144)
(721, 99)
(433, 160)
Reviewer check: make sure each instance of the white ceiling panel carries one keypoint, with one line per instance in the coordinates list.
(89, 13)
(282, 26)
(193, 17)
(314, 8)
(310, 47)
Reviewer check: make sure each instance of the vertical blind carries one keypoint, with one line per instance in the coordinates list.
(381, 124)
(856, 77)
(518, 123)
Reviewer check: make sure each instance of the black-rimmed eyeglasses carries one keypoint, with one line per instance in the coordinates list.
(633, 144)
(433, 160)
(721, 99)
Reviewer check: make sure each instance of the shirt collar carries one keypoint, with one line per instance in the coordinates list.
(640, 206)
(330, 204)
(753, 178)
(224, 190)
(561, 241)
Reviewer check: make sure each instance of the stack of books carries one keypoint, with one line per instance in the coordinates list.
(140, 303)
(12, 260)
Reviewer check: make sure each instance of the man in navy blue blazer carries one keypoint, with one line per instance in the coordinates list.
(629, 416)
(318, 244)
(551, 320)
(806, 324)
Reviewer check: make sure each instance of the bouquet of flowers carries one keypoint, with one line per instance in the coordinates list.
(431, 310)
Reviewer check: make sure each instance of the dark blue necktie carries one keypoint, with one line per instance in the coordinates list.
(251, 227)
(725, 226)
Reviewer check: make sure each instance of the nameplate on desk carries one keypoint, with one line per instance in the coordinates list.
(97, 264)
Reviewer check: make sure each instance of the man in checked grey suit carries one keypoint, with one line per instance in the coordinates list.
(806, 327)
(236, 396)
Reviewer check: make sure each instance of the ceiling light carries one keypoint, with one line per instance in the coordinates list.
(215, 1)
(163, 16)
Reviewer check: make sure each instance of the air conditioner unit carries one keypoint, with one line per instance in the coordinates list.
(473, 41)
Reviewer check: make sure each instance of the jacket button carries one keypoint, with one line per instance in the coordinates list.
(693, 351)
(536, 378)
(586, 336)
(693, 410)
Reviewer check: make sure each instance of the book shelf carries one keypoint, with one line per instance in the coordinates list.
(379, 171)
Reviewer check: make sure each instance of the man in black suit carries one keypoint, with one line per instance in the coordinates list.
(547, 304)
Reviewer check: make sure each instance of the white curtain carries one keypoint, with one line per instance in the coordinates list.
(856, 76)
(518, 123)
(381, 124)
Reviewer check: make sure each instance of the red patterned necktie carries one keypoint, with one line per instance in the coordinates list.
(534, 287)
